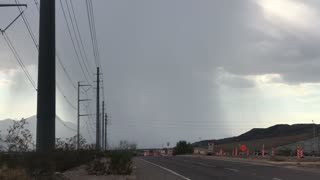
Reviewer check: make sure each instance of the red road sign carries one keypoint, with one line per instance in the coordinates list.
(243, 147)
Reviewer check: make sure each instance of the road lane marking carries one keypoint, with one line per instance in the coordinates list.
(230, 169)
(169, 170)
(203, 164)
(239, 161)
(276, 179)
(208, 165)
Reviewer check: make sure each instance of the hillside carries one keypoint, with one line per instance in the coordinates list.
(273, 136)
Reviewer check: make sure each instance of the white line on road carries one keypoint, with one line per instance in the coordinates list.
(235, 161)
(169, 170)
(201, 164)
(230, 169)
(276, 179)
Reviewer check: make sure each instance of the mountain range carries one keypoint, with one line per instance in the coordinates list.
(277, 135)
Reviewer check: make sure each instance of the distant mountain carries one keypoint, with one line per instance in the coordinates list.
(277, 131)
(64, 129)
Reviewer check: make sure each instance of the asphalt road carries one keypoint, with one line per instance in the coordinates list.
(195, 168)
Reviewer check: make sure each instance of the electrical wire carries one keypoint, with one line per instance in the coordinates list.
(92, 32)
(37, 4)
(18, 58)
(65, 97)
(80, 38)
(64, 124)
(77, 40)
(26, 22)
(73, 43)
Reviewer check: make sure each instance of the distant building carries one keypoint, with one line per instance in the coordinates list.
(200, 151)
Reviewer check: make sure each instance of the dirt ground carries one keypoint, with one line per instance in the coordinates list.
(80, 173)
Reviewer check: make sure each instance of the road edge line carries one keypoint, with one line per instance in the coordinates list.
(169, 170)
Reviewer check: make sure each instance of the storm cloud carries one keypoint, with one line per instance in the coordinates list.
(166, 63)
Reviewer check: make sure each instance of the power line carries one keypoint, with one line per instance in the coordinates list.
(92, 31)
(37, 4)
(81, 42)
(77, 40)
(18, 58)
(73, 43)
(92, 28)
(64, 124)
(65, 71)
(27, 25)
(65, 97)
(26, 22)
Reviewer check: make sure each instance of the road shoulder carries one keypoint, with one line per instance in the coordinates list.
(147, 171)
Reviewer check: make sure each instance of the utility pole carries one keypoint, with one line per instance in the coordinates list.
(102, 125)
(98, 112)
(79, 115)
(314, 136)
(46, 97)
(106, 131)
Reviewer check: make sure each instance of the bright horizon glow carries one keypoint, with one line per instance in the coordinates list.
(292, 12)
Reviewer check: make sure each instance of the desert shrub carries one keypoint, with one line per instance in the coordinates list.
(121, 162)
(18, 138)
(37, 163)
(284, 152)
(278, 158)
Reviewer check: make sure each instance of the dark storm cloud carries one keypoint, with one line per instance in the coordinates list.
(161, 61)
(293, 54)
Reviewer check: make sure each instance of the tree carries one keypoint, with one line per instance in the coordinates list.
(71, 143)
(183, 147)
(125, 145)
(1, 142)
(18, 138)
(60, 144)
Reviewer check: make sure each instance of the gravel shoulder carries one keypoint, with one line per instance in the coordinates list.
(80, 173)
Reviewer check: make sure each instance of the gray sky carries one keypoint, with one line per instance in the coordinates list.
(181, 69)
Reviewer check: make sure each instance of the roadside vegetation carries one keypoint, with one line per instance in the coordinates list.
(183, 147)
(19, 161)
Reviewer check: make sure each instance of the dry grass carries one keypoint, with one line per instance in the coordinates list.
(13, 174)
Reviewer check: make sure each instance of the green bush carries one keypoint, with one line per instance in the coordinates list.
(121, 162)
(183, 147)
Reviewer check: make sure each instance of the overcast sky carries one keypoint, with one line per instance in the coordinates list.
(180, 69)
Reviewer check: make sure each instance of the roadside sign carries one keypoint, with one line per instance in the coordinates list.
(243, 147)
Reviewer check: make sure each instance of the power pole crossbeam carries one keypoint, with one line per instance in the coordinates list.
(12, 5)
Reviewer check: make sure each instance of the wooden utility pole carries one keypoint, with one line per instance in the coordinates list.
(79, 115)
(98, 112)
(102, 125)
(106, 131)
